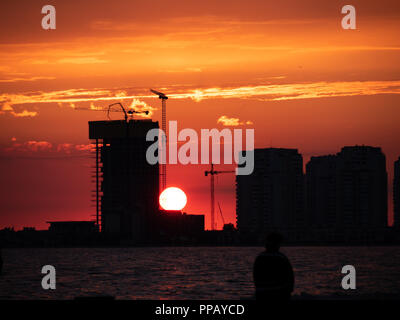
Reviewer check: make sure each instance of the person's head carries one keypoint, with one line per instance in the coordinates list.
(273, 242)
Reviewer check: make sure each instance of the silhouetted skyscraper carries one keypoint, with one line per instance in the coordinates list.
(362, 187)
(347, 195)
(271, 198)
(128, 186)
(321, 185)
(396, 193)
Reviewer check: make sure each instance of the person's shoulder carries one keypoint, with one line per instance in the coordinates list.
(261, 254)
(267, 254)
(284, 257)
(277, 254)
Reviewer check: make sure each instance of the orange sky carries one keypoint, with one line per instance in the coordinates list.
(285, 67)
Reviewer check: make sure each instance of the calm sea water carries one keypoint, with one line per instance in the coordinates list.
(193, 273)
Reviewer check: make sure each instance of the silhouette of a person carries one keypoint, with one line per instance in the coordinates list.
(272, 272)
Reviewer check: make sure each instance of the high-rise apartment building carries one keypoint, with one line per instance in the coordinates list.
(271, 198)
(346, 195)
(127, 186)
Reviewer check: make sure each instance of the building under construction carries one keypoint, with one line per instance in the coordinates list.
(127, 186)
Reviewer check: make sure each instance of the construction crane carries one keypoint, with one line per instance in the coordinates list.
(108, 110)
(163, 173)
(212, 173)
(130, 112)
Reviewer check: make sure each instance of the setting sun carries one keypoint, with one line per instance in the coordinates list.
(173, 199)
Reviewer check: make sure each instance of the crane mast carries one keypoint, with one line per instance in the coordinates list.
(164, 129)
(213, 172)
(164, 142)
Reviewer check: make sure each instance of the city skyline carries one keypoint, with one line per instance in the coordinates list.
(286, 69)
(294, 219)
(341, 197)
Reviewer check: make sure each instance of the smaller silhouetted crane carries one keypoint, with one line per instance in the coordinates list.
(213, 172)
(130, 112)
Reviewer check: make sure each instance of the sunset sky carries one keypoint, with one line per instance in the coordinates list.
(285, 68)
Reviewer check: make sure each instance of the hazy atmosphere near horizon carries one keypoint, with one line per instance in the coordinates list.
(286, 69)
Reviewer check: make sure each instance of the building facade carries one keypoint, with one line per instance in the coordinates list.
(127, 186)
(347, 195)
(321, 191)
(362, 186)
(272, 197)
